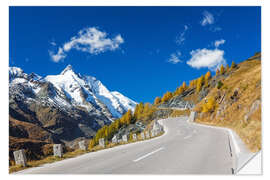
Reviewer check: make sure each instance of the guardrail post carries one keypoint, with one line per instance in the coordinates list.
(83, 145)
(134, 137)
(125, 138)
(58, 150)
(142, 135)
(114, 139)
(101, 142)
(20, 158)
(192, 116)
(147, 135)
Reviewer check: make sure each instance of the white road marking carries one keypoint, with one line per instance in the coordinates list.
(189, 136)
(148, 154)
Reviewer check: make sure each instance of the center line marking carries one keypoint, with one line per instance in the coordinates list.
(189, 136)
(142, 157)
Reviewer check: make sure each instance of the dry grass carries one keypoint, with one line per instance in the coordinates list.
(247, 81)
(178, 113)
(49, 159)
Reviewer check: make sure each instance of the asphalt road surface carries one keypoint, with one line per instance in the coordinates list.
(184, 149)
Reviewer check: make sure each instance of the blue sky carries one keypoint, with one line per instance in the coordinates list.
(141, 52)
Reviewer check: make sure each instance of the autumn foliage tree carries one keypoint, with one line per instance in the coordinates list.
(157, 100)
(209, 106)
(91, 144)
(200, 82)
(233, 65)
(107, 131)
(193, 83)
(126, 118)
(138, 110)
(167, 96)
(184, 86)
(222, 70)
(207, 77)
(227, 68)
(217, 72)
(179, 90)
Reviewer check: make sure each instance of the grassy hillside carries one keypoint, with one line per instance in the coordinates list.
(236, 103)
(230, 98)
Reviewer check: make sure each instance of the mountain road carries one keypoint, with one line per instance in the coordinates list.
(184, 148)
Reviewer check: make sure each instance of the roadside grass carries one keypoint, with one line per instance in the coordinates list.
(51, 159)
(178, 113)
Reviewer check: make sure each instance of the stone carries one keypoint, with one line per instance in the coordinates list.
(125, 138)
(58, 150)
(157, 127)
(147, 135)
(142, 135)
(101, 142)
(255, 105)
(134, 137)
(192, 116)
(20, 158)
(83, 145)
(153, 133)
(114, 139)
(212, 116)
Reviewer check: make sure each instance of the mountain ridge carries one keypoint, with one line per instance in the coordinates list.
(61, 107)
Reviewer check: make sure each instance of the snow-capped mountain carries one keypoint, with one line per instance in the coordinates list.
(76, 90)
(66, 106)
(126, 102)
(82, 90)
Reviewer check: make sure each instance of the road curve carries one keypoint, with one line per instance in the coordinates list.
(184, 149)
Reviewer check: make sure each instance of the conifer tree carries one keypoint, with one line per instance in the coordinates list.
(168, 95)
(233, 65)
(200, 82)
(207, 77)
(128, 117)
(184, 85)
(91, 144)
(193, 83)
(217, 72)
(117, 124)
(106, 131)
(179, 90)
(227, 68)
(138, 111)
(123, 119)
(222, 70)
(209, 106)
(157, 100)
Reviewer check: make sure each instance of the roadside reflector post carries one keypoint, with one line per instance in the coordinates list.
(58, 150)
(20, 158)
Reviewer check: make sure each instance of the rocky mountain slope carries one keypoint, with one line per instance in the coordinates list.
(59, 108)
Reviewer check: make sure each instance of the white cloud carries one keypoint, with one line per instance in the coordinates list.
(215, 29)
(181, 38)
(219, 42)
(207, 58)
(53, 43)
(175, 58)
(208, 18)
(60, 55)
(90, 40)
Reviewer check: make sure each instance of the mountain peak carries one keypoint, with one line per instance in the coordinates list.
(67, 69)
